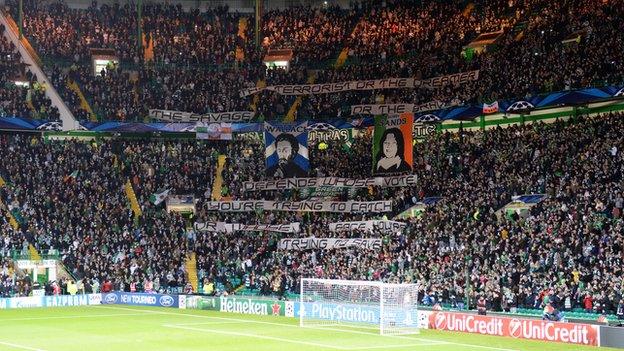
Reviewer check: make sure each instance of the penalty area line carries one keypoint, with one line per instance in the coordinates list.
(272, 338)
(21, 347)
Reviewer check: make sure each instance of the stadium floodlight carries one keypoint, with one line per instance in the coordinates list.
(389, 308)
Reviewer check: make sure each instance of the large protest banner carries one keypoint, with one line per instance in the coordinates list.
(392, 144)
(215, 117)
(383, 226)
(286, 150)
(298, 183)
(222, 227)
(300, 206)
(300, 244)
(374, 84)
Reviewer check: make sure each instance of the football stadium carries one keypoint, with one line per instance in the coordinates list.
(311, 175)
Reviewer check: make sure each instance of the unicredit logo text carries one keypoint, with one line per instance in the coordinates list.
(540, 330)
(469, 323)
(574, 333)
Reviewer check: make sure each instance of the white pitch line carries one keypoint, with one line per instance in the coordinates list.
(396, 346)
(296, 326)
(209, 323)
(22, 347)
(72, 317)
(272, 338)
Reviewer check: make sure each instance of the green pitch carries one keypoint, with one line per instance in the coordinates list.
(105, 328)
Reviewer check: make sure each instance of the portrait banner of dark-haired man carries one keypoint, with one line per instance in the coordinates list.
(286, 150)
(392, 144)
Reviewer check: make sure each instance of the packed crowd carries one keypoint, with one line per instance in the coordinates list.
(566, 249)
(394, 39)
(27, 99)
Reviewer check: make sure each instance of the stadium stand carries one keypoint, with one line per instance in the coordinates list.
(68, 196)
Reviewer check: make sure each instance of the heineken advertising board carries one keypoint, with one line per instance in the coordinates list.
(259, 307)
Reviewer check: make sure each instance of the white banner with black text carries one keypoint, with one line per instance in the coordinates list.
(383, 226)
(222, 227)
(189, 117)
(374, 84)
(298, 183)
(301, 206)
(328, 244)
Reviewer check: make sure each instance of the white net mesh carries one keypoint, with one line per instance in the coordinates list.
(389, 308)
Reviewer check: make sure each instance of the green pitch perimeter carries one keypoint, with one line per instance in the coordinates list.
(99, 328)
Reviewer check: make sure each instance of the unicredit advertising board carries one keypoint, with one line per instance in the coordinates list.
(158, 300)
(519, 328)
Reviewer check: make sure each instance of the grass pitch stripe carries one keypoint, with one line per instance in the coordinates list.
(297, 326)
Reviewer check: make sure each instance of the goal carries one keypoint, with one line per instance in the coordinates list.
(389, 308)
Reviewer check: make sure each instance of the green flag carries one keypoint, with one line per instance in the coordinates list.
(346, 146)
(157, 198)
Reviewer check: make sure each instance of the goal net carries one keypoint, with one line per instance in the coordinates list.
(389, 308)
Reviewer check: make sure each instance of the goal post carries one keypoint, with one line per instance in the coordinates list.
(389, 308)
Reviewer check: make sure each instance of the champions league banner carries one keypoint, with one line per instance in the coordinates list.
(328, 244)
(222, 227)
(335, 182)
(392, 144)
(286, 150)
(368, 226)
(300, 206)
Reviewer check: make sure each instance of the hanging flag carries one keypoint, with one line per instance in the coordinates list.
(157, 198)
(286, 150)
(490, 108)
(392, 144)
(214, 131)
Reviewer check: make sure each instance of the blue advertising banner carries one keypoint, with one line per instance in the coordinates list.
(51, 301)
(357, 313)
(124, 298)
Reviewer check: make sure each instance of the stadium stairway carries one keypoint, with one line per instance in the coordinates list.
(12, 221)
(148, 48)
(83, 101)
(468, 10)
(218, 182)
(242, 30)
(191, 270)
(30, 57)
(34, 254)
(134, 203)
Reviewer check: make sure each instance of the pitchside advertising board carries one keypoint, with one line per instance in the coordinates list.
(523, 328)
(156, 300)
(519, 328)
(258, 307)
(51, 301)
